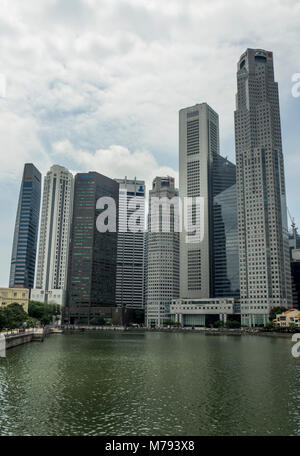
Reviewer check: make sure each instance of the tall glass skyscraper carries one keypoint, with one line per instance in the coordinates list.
(93, 254)
(26, 229)
(224, 257)
(265, 274)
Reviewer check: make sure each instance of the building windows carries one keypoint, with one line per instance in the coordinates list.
(192, 137)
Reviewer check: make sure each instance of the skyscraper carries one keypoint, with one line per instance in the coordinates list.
(265, 277)
(162, 255)
(208, 266)
(223, 229)
(198, 141)
(93, 254)
(294, 245)
(295, 273)
(130, 256)
(52, 265)
(26, 229)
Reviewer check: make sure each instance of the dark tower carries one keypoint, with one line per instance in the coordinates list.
(93, 254)
(26, 229)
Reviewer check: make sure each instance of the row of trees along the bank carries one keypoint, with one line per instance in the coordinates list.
(13, 316)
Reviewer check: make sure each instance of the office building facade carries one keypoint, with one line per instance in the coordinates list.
(130, 254)
(162, 283)
(265, 277)
(56, 217)
(208, 263)
(14, 296)
(93, 254)
(223, 229)
(295, 273)
(203, 312)
(22, 270)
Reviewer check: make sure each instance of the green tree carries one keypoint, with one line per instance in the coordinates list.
(270, 325)
(139, 317)
(233, 324)
(176, 324)
(218, 324)
(50, 310)
(14, 315)
(292, 325)
(43, 311)
(169, 323)
(36, 309)
(97, 321)
(3, 319)
(275, 311)
(31, 322)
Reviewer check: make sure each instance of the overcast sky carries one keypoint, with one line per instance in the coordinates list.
(97, 85)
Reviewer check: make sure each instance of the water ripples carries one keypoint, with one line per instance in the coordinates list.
(150, 384)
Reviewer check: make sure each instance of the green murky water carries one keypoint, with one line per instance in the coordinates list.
(150, 384)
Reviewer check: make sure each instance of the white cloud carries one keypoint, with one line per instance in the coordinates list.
(115, 162)
(76, 66)
(19, 144)
(93, 73)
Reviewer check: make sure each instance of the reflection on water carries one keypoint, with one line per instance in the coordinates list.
(150, 384)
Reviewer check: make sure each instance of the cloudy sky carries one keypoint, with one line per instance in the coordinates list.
(97, 84)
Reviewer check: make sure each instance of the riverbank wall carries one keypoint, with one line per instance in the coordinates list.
(13, 339)
(203, 331)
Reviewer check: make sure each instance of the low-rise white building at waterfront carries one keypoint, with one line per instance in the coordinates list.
(194, 312)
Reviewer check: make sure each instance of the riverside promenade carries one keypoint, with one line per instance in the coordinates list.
(20, 337)
(204, 331)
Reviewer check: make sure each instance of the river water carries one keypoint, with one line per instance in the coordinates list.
(150, 384)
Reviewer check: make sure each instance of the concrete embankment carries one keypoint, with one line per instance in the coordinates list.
(204, 331)
(13, 339)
